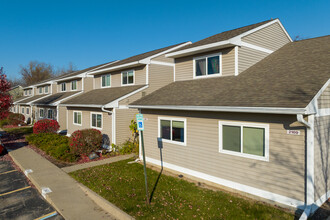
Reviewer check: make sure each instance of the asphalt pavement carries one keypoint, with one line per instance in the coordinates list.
(19, 200)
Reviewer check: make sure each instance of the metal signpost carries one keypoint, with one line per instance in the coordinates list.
(140, 127)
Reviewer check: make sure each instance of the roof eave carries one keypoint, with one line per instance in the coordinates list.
(205, 48)
(267, 110)
(124, 66)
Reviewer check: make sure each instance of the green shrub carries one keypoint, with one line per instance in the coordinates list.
(54, 145)
(19, 130)
(83, 142)
(15, 118)
(4, 122)
(128, 147)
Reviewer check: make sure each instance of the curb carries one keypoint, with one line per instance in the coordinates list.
(105, 204)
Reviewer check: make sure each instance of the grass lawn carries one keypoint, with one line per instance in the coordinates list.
(173, 198)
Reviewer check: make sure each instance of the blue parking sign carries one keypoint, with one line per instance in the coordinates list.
(140, 122)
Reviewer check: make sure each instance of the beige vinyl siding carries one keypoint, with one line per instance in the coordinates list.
(272, 37)
(283, 174)
(248, 57)
(45, 108)
(30, 111)
(68, 85)
(184, 67)
(115, 81)
(123, 120)
(62, 120)
(162, 58)
(53, 88)
(159, 76)
(321, 156)
(86, 120)
(88, 84)
(324, 99)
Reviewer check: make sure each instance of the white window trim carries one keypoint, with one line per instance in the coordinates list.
(43, 111)
(91, 115)
(173, 119)
(76, 85)
(241, 154)
(81, 118)
(41, 90)
(27, 108)
(61, 85)
(25, 92)
(205, 57)
(47, 90)
(110, 81)
(22, 110)
(30, 91)
(128, 84)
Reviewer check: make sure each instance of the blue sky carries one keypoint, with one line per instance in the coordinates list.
(93, 32)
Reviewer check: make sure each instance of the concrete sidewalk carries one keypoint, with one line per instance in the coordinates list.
(66, 196)
(96, 163)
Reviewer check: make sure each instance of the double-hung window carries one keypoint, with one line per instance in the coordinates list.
(50, 114)
(22, 110)
(207, 65)
(96, 120)
(63, 87)
(41, 113)
(127, 77)
(46, 89)
(105, 81)
(244, 139)
(172, 130)
(74, 85)
(25, 92)
(77, 118)
(40, 90)
(30, 91)
(27, 110)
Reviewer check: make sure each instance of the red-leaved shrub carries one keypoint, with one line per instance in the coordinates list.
(15, 118)
(45, 126)
(85, 141)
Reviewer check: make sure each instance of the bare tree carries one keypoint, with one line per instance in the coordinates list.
(64, 70)
(35, 72)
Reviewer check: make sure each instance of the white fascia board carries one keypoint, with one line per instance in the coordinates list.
(204, 48)
(66, 98)
(31, 103)
(115, 103)
(147, 60)
(81, 105)
(312, 107)
(234, 41)
(268, 110)
(70, 77)
(15, 103)
(127, 65)
(45, 83)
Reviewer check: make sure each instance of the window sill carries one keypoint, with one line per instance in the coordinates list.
(249, 156)
(207, 76)
(174, 142)
(77, 124)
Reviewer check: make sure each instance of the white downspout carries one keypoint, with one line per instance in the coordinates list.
(309, 164)
(113, 125)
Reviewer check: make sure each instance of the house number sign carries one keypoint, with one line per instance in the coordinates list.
(293, 132)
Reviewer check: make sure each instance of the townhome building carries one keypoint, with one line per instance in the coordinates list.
(24, 104)
(63, 88)
(114, 87)
(249, 111)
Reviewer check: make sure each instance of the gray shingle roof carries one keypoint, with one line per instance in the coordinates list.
(290, 77)
(226, 35)
(54, 98)
(140, 56)
(31, 99)
(101, 96)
